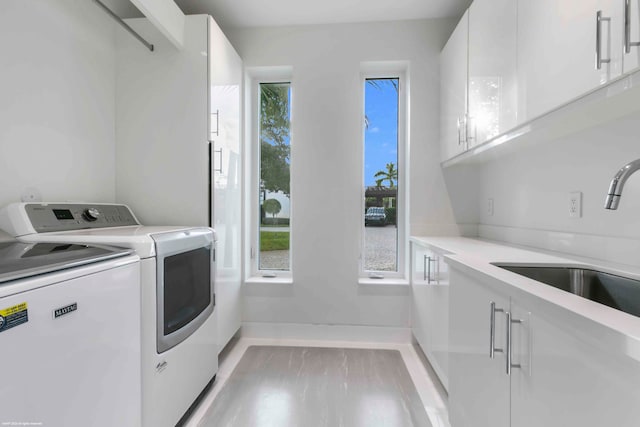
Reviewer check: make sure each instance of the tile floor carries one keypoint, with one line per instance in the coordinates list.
(428, 388)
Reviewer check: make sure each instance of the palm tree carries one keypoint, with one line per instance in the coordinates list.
(391, 175)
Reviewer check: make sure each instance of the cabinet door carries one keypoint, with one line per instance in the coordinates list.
(430, 316)
(419, 287)
(631, 59)
(571, 381)
(453, 90)
(492, 83)
(225, 79)
(438, 317)
(478, 384)
(556, 50)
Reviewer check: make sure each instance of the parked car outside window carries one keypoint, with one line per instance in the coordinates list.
(375, 216)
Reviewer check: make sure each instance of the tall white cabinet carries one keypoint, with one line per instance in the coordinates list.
(178, 125)
(226, 117)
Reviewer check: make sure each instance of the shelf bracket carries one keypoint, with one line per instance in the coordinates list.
(124, 25)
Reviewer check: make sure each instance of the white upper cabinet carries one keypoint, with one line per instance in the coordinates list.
(453, 91)
(492, 84)
(631, 34)
(559, 44)
(533, 67)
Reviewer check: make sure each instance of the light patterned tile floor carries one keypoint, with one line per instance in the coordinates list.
(430, 392)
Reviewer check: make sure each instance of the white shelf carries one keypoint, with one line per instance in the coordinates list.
(616, 99)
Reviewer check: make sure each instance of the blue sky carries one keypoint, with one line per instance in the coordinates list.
(381, 138)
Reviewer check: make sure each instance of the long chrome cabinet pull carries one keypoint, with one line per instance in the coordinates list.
(599, 59)
(424, 271)
(427, 268)
(510, 363)
(492, 330)
(460, 137)
(217, 131)
(471, 136)
(220, 169)
(627, 28)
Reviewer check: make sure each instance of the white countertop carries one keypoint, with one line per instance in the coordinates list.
(595, 322)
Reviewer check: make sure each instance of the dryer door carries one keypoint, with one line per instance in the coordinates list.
(185, 286)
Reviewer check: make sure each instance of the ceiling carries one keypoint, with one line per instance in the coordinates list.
(263, 13)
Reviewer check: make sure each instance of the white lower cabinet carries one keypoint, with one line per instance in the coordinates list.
(560, 375)
(478, 385)
(574, 382)
(430, 311)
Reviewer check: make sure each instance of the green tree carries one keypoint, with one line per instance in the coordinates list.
(274, 137)
(391, 175)
(272, 206)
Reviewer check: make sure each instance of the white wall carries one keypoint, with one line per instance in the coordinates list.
(326, 164)
(530, 189)
(57, 85)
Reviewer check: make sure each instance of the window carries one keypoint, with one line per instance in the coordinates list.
(383, 189)
(273, 237)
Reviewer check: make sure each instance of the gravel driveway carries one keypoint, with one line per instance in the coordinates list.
(380, 251)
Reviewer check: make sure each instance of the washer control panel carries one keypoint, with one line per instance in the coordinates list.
(48, 217)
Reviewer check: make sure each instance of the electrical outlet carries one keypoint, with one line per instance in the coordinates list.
(490, 207)
(575, 204)
(31, 194)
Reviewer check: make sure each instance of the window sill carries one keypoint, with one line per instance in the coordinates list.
(261, 280)
(393, 286)
(392, 281)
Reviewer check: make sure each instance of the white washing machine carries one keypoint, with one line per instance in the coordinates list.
(179, 348)
(69, 335)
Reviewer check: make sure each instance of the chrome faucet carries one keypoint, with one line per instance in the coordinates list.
(615, 188)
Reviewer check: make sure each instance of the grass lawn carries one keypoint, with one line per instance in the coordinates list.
(274, 240)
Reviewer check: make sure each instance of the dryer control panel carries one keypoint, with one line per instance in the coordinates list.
(48, 217)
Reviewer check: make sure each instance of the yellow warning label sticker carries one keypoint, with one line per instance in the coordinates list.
(13, 316)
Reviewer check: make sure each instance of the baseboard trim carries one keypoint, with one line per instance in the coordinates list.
(348, 333)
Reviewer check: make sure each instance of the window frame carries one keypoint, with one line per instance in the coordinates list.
(389, 71)
(256, 78)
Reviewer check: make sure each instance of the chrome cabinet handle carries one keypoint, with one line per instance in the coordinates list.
(470, 138)
(492, 330)
(510, 363)
(427, 268)
(429, 279)
(460, 137)
(627, 28)
(599, 59)
(220, 169)
(424, 271)
(217, 131)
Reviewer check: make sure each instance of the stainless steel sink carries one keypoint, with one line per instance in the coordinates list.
(614, 291)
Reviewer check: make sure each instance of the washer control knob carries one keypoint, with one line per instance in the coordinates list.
(91, 214)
